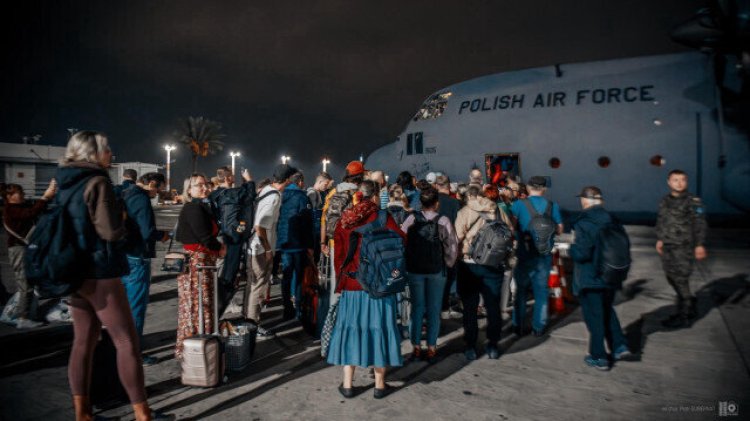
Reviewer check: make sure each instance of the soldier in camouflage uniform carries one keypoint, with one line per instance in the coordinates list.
(681, 234)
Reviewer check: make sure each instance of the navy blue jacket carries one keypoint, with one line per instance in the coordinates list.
(107, 258)
(295, 229)
(587, 226)
(141, 223)
(121, 187)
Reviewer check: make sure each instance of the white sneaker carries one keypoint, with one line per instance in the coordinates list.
(27, 324)
(445, 315)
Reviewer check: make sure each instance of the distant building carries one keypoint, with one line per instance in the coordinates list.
(33, 166)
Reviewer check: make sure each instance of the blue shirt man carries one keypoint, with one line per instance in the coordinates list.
(140, 245)
(295, 241)
(533, 268)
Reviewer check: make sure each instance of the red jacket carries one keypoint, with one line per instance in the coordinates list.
(341, 248)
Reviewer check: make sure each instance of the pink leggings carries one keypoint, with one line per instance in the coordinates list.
(103, 301)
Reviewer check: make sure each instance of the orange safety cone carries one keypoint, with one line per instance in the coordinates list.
(556, 301)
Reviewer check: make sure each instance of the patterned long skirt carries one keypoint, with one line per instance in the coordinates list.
(187, 294)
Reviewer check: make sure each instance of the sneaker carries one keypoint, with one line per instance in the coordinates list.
(492, 352)
(416, 354)
(455, 314)
(264, 333)
(470, 354)
(445, 315)
(27, 324)
(622, 353)
(599, 364)
(149, 360)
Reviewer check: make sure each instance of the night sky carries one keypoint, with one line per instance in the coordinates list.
(307, 79)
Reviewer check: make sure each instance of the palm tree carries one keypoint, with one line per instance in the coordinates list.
(202, 136)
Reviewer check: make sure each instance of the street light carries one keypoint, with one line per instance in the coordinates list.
(285, 159)
(169, 149)
(325, 164)
(233, 155)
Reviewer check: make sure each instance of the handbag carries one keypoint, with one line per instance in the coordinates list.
(330, 322)
(325, 334)
(174, 261)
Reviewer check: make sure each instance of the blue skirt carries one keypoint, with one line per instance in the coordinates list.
(365, 333)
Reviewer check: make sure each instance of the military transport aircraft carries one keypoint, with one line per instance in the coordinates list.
(620, 124)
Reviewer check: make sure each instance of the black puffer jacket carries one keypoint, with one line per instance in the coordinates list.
(97, 218)
(587, 228)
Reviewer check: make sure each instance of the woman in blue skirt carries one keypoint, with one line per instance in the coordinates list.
(366, 332)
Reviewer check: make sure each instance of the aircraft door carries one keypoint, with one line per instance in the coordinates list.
(499, 168)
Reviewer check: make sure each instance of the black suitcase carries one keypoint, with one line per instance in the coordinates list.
(106, 390)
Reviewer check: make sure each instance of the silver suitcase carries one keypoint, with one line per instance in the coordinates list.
(203, 354)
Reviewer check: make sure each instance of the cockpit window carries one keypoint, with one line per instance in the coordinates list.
(433, 107)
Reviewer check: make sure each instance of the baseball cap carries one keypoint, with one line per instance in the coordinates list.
(537, 181)
(591, 192)
(282, 172)
(430, 177)
(355, 168)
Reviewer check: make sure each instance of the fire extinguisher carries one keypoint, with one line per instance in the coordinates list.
(556, 301)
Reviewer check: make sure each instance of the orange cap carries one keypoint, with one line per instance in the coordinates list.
(355, 168)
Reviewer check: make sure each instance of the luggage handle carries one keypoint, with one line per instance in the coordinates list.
(201, 329)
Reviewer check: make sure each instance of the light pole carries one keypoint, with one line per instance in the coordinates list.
(285, 159)
(233, 155)
(169, 149)
(325, 164)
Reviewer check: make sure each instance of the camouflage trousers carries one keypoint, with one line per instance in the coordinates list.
(677, 262)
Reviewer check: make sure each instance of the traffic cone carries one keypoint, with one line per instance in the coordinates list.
(556, 302)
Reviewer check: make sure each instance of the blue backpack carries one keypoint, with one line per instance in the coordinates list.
(53, 260)
(382, 265)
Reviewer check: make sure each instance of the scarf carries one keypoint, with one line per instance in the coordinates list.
(356, 215)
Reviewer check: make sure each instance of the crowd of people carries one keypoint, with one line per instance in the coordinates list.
(230, 231)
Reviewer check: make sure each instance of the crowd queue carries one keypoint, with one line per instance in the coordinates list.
(228, 230)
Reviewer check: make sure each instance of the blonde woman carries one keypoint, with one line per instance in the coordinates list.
(97, 217)
(197, 231)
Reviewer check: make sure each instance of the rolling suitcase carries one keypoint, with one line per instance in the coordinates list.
(106, 391)
(203, 354)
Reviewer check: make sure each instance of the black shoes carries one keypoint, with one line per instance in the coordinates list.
(676, 321)
(346, 392)
(381, 393)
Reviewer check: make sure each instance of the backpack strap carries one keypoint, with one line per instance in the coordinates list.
(548, 210)
(356, 235)
(274, 191)
(530, 207)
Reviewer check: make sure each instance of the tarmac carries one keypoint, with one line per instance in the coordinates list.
(701, 372)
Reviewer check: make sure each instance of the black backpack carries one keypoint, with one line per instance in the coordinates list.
(235, 206)
(337, 204)
(492, 244)
(541, 228)
(53, 259)
(612, 254)
(424, 250)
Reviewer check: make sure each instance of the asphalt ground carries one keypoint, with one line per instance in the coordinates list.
(699, 372)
